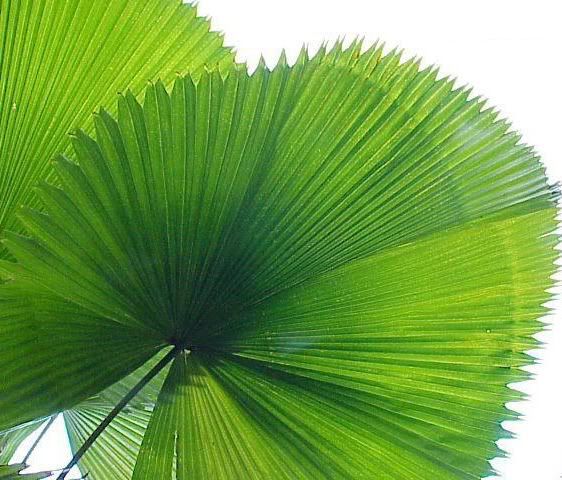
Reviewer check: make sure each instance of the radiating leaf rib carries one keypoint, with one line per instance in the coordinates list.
(419, 343)
(135, 287)
(354, 251)
(356, 201)
(61, 60)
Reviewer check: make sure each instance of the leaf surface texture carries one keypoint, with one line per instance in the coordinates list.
(353, 253)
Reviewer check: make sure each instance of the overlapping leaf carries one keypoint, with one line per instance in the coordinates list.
(56, 354)
(356, 259)
(114, 453)
(60, 60)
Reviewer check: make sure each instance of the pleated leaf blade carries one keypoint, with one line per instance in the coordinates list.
(353, 254)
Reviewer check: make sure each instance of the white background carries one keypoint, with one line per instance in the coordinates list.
(510, 52)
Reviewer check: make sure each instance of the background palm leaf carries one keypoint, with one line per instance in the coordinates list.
(354, 260)
(10, 441)
(62, 60)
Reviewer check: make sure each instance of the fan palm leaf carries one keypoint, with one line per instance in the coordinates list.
(349, 259)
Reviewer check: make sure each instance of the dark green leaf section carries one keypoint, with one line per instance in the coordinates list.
(61, 60)
(354, 252)
(56, 354)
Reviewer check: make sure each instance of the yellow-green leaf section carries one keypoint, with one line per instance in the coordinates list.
(61, 60)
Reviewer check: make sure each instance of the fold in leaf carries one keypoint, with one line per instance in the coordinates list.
(59, 61)
(354, 258)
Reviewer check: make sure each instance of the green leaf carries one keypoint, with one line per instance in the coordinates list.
(50, 334)
(352, 252)
(13, 472)
(56, 354)
(406, 366)
(11, 440)
(59, 61)
(114, 453)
